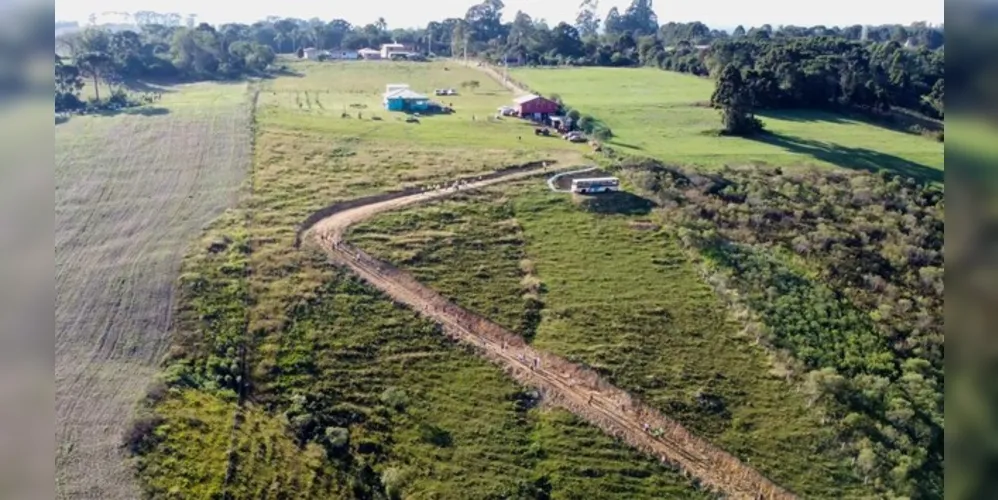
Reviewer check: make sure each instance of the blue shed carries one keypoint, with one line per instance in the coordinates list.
(406, 100)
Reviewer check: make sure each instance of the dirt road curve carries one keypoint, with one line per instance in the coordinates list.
(561, 382)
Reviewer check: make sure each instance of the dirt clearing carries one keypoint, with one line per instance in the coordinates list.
(132, 192)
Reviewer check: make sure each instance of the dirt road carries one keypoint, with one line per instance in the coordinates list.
(560, 382)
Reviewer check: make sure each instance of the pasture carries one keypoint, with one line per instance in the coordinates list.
(131, 192)
(607, 287)
(277, 350)
(287, 374)
(665, 115)
(317, 100)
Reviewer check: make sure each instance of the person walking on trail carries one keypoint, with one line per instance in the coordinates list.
(537, 363)
(590, 400)
(646, 426)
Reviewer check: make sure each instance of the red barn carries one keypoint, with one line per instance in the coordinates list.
(528, 105)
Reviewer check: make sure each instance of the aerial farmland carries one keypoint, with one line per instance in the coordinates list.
(279, 288)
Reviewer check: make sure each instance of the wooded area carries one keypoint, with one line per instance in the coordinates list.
(856, 67)
(844, 272)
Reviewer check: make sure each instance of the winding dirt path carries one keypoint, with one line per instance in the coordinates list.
(560, 382)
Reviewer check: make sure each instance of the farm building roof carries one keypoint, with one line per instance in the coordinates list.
(404, 94)
(526, 98)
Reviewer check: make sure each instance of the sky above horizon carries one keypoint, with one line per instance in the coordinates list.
(406, 14)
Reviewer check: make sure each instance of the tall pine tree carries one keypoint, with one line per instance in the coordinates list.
(734, 98)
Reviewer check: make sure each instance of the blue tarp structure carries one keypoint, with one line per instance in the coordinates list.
(406, 100)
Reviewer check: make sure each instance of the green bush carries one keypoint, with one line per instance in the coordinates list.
(395, 398)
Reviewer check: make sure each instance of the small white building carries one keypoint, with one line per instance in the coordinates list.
(388, 49)
(311, 53)
(369, 53)
(344, 55)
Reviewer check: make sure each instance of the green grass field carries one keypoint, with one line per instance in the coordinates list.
(316, 101)
(345, 393)
(663, 114)
(288, 375)
(618, 295)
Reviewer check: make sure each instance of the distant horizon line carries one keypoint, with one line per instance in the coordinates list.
(718, 27)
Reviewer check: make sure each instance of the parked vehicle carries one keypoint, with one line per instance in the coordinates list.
(595, 185)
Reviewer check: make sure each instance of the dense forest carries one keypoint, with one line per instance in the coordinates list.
(868, 68)
(843, 273)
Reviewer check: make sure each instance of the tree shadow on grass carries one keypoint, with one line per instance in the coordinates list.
(281, 71)
(151, 86)
(895, 121)
(137, 111)
(853, 158)
(626, 145)
(617, 203)
(806, 116)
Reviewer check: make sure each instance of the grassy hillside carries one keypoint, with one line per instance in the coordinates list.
(616, 292)
(817, 356)
(845, 276)
(317, 101)
(664, 115)
(331, 390)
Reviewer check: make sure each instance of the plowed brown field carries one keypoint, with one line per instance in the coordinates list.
(132, 191)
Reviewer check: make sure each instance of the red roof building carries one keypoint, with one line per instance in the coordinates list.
(531, 104)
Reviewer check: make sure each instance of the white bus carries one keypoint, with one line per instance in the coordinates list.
(595, 185)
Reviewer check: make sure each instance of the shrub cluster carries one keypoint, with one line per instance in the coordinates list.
(845, 271)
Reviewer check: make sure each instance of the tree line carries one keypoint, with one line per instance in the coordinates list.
(106, 58)
(822, 73)
(870, 68)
